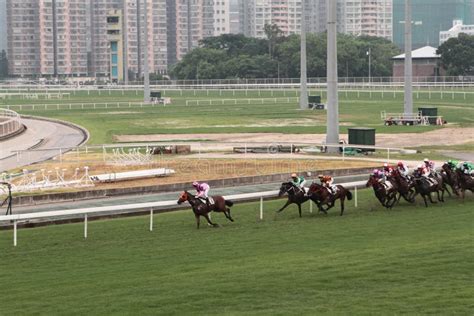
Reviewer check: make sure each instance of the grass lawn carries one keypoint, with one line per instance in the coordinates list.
(355, 110)
(412, 260)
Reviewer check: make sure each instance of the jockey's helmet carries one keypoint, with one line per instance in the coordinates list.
(385, 164)
(400, 164)
(375, 171)
(293, 175)
(320, 176)
(426, 160)
(195, 184)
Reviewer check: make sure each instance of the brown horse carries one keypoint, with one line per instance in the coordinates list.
(321, 196)
(450, 177)
(386, 196)
(295, 196)
(466, 182)
(200, 208)
(405, 186)
(425, 188)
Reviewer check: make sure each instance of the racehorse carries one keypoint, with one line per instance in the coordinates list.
(405, 187)
(450, 177)
(466, 182)
(386, 196)
(200, 208)
(321, 196)
(424, 187)
(295, 196)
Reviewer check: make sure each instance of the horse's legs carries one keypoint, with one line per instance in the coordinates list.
(424, 198)
(284, 206)
(431, 198)
(227, 214)
(342, 204)
(197, 220)
(299, 209)
(206, 216)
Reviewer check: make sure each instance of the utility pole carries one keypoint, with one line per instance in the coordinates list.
(369, 53)
(332, 128)
(408, 105)
(303, 78)
(146, 71)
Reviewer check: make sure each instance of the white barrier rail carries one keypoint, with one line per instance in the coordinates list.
(139, 207)
(10, 122)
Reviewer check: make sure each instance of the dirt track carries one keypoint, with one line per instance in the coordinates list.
(444, 136)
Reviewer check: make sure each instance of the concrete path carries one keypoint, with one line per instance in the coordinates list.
(40, 135)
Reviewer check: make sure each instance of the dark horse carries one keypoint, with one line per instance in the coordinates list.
(424, 187)
(200, 208)
(405, 186)
(386, 196)
(450, 177)
(466, 182)
(321, 196)
(295, 195)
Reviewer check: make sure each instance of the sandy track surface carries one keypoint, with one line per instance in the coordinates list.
(444, 136)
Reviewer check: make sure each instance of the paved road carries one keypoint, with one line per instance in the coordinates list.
(169, 196)
(40, 135)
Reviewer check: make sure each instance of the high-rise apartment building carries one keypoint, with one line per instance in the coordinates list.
(47, 37)
(431, 17)
(188, 22)
(357, 17)
(3, 25)
(365, 17)
(221, 17)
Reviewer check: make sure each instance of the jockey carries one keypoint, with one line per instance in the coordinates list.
(387, 170)
(202, 190)
(425, 173)
(403, 169)
(430, 165)
(327, 181)
(467, 168)
(452, 164)
(378, 174)
(299, 182)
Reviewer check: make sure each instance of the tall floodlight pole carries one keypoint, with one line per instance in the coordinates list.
(408, 105)
(146, 71)
(332, 128)
(303, 78)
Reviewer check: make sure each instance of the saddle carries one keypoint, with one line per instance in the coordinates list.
(211, 200)
(332, 189)
(387, 185)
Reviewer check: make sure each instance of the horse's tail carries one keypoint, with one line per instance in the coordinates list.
(229, 203)
(349, 195)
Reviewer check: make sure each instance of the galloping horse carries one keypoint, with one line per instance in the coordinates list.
(295, 196)
(424, 188)
(450, 177)
(200, 208)
(466, 182)
(386, 196)
(404, 186)
(321, 196)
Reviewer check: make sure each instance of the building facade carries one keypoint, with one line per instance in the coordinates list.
(432, 17)
(426, 63)
(3, 25)
(458, 28)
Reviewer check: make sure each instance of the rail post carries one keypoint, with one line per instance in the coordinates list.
(151, 220)
(14, 233)
(311, 206)
(355, 197)
(85, 226)
(261, 208)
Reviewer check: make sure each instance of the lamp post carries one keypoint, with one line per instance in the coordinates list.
(332, 128)
(369, 53)
(303, 78)
(146, 71)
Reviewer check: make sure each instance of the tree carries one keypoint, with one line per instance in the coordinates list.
(3, 64)
(273, 32)
(457, 55)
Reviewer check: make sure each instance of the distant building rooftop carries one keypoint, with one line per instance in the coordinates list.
(426, 52)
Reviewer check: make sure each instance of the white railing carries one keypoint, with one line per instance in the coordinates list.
(10, 122)
(14, 219)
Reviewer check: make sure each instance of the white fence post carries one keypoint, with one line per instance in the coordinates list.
(261, 208)
(14, 234)
(311, 206)
(355, 197)
(151, 220)
(85, 226)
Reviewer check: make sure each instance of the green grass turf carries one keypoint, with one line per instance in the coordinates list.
(360, 109)
(410, 260)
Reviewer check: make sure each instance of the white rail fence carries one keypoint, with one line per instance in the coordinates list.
(152, 206)
(10, 122)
